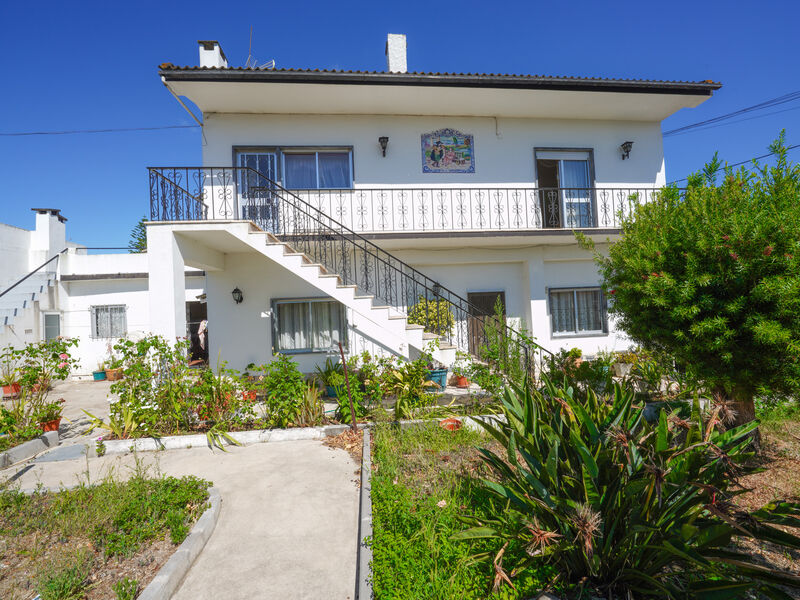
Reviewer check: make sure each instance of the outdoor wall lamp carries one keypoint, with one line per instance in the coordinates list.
(383, 141)
(237, 295)
(625, 149)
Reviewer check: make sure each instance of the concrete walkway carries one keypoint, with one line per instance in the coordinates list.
(288, 524)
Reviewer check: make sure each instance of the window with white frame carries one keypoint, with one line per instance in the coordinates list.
(109, 321)
(309, 325)
(578, 311)
(323, 169)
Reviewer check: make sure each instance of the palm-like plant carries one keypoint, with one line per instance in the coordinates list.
(624, 507)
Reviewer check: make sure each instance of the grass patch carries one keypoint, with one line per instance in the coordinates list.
(94, 541)
(421, 488)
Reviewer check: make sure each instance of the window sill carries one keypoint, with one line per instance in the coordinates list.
(566, 336)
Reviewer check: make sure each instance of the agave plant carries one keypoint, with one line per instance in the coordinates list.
(624, 508)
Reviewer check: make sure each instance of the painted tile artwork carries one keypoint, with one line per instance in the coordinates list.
(447, 151)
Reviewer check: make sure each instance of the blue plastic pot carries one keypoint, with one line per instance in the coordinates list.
(330, 391)
(99, 375)
(438, 376)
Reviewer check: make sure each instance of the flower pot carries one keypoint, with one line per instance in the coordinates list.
(437, 376)
(462, 382)
(451, 424)
(113, 374)
(330, 391)
(11, 391)
(99, 375)
(622, 369)
(50, 425)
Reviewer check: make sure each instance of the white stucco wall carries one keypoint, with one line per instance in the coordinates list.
(504, 147)
(15, 252)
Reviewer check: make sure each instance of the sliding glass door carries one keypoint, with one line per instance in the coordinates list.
(258, 200)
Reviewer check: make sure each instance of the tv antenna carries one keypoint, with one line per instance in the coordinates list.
(252, 63)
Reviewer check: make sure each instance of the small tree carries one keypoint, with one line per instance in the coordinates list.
(138, 240)
(712, 276)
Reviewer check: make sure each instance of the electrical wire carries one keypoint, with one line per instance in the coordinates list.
(742, 162)
(790, 97)
(69, 132)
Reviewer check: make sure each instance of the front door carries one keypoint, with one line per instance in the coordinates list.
(258, 197)
(565, 189)
(482, 309)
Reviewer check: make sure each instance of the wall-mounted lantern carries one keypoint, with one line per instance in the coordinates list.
(383, 141)
(625, 149)
(237, 295)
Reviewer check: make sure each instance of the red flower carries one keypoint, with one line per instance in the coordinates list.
(613, 292)
(726, 237)
(767, 250)
(734, 256)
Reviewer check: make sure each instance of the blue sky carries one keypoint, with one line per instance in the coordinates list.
(91, 65)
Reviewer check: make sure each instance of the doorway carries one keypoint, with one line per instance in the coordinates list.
(258, 196)
(482, 311)
(565, 188)
(197, 314)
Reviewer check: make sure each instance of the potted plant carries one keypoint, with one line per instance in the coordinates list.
(329, 376)
(9, 361)
(100, 373)
(437, 373)
(624, 363)
(49, 416)
(114, 369)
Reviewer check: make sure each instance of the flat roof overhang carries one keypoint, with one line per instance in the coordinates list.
(290, 92)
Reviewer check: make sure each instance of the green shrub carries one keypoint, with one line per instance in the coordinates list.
(284, 387)
(622, 507)
(434, 315)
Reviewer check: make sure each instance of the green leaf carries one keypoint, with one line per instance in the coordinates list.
(662, 437)
(474, 533)
(587, 457)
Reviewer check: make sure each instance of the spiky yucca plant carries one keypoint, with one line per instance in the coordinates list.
(625, 508)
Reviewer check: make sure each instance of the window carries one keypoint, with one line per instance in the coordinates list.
(109, 321)
(309, 325)
(317, 170)
(52, 326)
(578, 311)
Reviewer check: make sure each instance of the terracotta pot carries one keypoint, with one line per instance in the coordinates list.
(11, 391)
(462, 382)
(51, 425)
(113, 374)
(451, 424)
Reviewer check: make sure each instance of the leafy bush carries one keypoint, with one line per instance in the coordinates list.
(284, 387)
(434, 315)
(623, 507)
(712, 276)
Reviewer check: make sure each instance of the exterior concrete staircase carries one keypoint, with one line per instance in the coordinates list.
(22, 296)
(381, 323)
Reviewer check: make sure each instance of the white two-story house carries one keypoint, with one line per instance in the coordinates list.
(330, 204)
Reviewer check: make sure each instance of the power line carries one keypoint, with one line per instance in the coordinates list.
(742, 162)
(775, 112)
(68, 132)
(790, 97)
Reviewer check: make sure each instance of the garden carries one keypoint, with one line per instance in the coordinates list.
(28, 375)
(105, 540)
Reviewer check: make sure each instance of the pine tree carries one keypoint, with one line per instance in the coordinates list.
(138, 240)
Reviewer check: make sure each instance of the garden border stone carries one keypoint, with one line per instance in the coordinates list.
(175, 442)
(364, 553)
(28, 449)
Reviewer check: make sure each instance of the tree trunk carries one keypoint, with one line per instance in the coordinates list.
(742, 402)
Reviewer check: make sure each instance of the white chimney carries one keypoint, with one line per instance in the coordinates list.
(396, 53)
(211, 55)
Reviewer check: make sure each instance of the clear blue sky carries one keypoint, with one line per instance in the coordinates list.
(91, 65)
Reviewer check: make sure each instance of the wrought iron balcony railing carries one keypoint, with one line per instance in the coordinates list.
(187, 194)
(231, 193)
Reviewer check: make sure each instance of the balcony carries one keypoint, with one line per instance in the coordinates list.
(198, 193)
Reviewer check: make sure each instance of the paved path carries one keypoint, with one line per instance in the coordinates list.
(288, 524)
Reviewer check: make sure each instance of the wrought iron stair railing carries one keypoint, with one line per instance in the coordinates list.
(326, 241)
